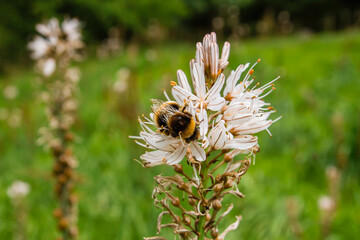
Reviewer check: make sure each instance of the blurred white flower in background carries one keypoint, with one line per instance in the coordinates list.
(10, 92)
(326, 204)
(56, 40)
(122, 78)
(15, 118)
(18, 189)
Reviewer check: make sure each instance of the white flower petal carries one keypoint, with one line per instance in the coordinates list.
(197, 151)
(182, 80)
(39, 47)
(216, 104)
(234, 78)
(48, 67)
(199, 56)
(176, 156)
(241, 142)
(214, 59)
(215, 90)
(160, 142)
(203, 119)
(199, 81)
(218, 136)
(180, 94)
(157, 156)
(223, 62)
(253, 128)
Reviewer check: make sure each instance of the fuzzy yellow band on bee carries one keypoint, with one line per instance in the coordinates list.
(189, 130)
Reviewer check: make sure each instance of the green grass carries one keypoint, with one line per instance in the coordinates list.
(319, 84)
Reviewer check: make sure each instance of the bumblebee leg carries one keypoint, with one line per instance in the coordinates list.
(182, 109)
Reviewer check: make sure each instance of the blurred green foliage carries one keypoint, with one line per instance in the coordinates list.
(316, 95)
(180, 19)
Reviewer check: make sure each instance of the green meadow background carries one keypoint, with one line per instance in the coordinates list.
(317, 96)
(319, 83)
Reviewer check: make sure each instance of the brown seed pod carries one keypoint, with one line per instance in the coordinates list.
(63, 223)
(178, 168)
(192, 201)
(73, 198)
(187, 221)
(175, 202)
(228, 157)
(57, 213)
(214, 233)
(61, 178)
(217, 204)
(207, 216)
(218, 187)
(69, 137)
(228, 184)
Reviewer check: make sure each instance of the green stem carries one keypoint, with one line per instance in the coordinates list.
(202, 220)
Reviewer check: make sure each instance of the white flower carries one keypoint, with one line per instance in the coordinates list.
(202, 100)
(166, 149)
(50, 28)
(47, 66)
(39, 47)
(10, 92)
(246, 111)
(326, 204)
(18, 189)
(220, 138)
(207, 56)
(231, 109)
(55, 41)
(71, 27)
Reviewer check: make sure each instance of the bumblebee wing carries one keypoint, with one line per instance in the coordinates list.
(162, 110)
(156, 104)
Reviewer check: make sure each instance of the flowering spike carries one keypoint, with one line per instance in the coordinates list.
(222, 125)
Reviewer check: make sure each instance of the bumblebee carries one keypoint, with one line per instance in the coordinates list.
(173, 120)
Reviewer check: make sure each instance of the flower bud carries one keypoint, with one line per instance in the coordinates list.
(207, 216)
(228, 157)
(219, 178)
(256, 149)
(217, 204)
(178, 179)
(73, 199)
(181, 186)
(229, 183)
(187, 221)
(69, 137)
(192, 201)
(57, 213)
(175, 201)
(218, 187)
(63, 223)
(177, 219)
(68, 172)
(61, 179)
(178, 168)
(214, 233)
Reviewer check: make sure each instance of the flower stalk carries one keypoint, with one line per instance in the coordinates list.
(219, 147)
(54, 50)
